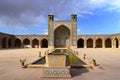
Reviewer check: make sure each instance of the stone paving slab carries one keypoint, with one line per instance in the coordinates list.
(108, 60)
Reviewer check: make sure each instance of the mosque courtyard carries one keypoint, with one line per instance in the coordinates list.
(108, 64)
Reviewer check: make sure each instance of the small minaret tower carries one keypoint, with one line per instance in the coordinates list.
(74, 29)
(50, 30)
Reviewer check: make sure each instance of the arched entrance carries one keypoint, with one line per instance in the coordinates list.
(90, 43)
(4, 42)
(44, 43)
(18, 43)
(108, 43)
(80, 43)
(26, 43)
(9, 43)
(99, 43)
(61, 36)
(35, 43)
(116, 43)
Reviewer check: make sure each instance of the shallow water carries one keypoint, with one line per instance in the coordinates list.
(71, 58)
(40, 61)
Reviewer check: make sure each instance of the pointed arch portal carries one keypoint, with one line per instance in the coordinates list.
(44, 43)
(26, 43)
(108, 43)
(4, 41)
(80, 43)
(35, 43)
(61, 36)
(90, 43)
(99, 43)
(18, 43)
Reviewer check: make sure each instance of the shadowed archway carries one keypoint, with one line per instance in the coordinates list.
(80, 43)
(90, 43)
(108, 43)
(18, 43)
(9, 43)
(44, 43)
(26, 43)
(4, 42)
(99, 43)
(35, 43)
(61, 36)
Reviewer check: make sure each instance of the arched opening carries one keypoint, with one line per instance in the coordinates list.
(80, 43)
(9, 43)
(99, 43)
(116, 43)
(44, 43)
(18, 43)
(90, 43)
(4, 43)
(61, 36)
(26, 43)
(35, 43)
(108, 43)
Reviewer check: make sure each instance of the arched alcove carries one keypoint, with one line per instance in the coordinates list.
(90, 43)
(35, 43)
(61, 36)
(44, 43)
(108, 43)
(80, 43)
(99, 43)
(18, 43)
(4, 42)
(26, 43)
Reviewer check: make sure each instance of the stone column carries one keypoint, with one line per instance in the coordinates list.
(30, 43)
(22, 45)
(0, 43)
(94, 45)
(40, 43)
(118, 43)
(85, 43)
(113, 43)
(103, 44)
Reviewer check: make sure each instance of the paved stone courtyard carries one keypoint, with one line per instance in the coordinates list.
(108, 61)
